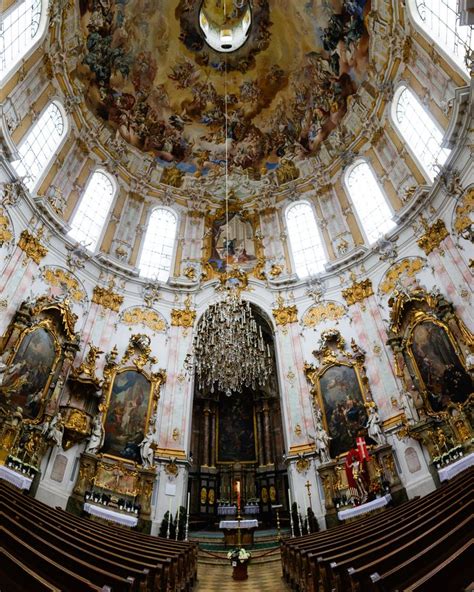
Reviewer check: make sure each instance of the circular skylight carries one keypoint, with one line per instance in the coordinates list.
(226, 29)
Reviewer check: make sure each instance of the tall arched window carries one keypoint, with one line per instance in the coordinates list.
(158, 246)
(37, 149)
(440, 20)
(419, 131)
(305, 240)
(20, 28)
(88, 221)
(369, 202)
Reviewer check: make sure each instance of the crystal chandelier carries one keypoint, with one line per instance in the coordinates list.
(229, 348)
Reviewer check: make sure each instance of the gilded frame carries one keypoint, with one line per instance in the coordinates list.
(103, 467)
(47, 325)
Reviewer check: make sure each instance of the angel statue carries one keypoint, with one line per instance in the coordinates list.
(97, 435)
(408, 406)
(146, 449)
(56, 430)
(374, 427)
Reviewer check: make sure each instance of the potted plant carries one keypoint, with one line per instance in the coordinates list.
(239, 559)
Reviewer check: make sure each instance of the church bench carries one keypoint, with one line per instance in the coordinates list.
(96, 555)
(355, 574)
(48, 569)
(299, 556)
(15, 576)
(333, 559)
(178, 564)
(447, 574)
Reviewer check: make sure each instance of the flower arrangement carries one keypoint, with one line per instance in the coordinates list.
(238, 555)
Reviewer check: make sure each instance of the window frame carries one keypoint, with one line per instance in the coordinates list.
(113, 202)
(355, 211)
(177, 215)
(59, 147)
(40, 36)
(393, 118)
(418, 24)
(309, 203)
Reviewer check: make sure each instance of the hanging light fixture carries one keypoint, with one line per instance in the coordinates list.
(229, 351)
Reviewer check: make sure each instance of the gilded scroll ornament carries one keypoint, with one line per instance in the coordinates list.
(183, 317)
(285, 315)
(464, 216)
(433, 236)
(6, 233)
(57, 277)
(358, 292)
(32, 246)
(107, 298)
(146, 317)
(406, 268)
(77, 421)
(326, 311)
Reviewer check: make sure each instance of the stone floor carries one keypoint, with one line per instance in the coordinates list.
(263, 577)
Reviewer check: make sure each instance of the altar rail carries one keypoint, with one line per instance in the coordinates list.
(398, 548)
(49, 549)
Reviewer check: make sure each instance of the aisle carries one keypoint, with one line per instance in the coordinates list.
(263, 577)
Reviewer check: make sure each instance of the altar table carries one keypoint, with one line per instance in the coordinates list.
(230, 528)
(15, 478)
(111, 515)
(375, 504)
(455, 468)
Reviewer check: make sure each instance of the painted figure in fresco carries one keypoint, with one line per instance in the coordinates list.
(444, 377)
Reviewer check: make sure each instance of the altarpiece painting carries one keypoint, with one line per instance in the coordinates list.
(236, 429)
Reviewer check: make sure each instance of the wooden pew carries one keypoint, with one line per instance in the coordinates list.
(15, 576)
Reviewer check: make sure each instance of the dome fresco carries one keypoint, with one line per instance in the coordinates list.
(147, 72)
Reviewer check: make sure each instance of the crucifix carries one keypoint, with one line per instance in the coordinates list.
(308, 487)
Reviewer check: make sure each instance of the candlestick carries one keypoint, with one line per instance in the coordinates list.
(291, 515)
(187, 519)
(169, 520)
(177, 523)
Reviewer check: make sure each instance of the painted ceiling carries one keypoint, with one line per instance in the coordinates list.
(147, 72)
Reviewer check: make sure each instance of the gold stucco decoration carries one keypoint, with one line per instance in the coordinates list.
(6, 233)
(464, 215)
(107, 298)
(325, 311)
(406, 268)
(57, 277)
(183, 317)
(358, 292)
(433, 236)
(285, 315)
(146, 317)
(32, 246)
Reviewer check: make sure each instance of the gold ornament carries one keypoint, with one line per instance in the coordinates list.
(463, 221)
(284, 315)
(433, 236)
(77, 421)
(406, 268)
(107, 298)
(326, 311)
(57, 277)
(5, 230)
(144, 316)
(358, 292)
(32, 246)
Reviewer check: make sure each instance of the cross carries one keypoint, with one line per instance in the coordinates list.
(308, 487)
(362, 449)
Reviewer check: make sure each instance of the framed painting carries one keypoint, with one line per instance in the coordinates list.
(236, 440)
(343, 403)
(116, 478)
(129, 405)
(31, 367)
(232, 240)
(438, 367)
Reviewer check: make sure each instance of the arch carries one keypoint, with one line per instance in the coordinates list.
(306, 243)
(23, 26)
(374, 214)
(439, 21)
(41, 143)
(419, 130)
(88, 222)
(159, 244)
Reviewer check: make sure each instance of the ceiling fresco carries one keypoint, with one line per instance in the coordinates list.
(149, 74)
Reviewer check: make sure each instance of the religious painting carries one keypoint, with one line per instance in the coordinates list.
(29, 372)
(344, 408)
(442, 374)
(232, 242)
(236, 429)
(127, 415)
(116, 478)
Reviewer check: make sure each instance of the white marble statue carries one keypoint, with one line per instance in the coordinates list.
(321, 438)
(56, 430)
(408, 406)
(146, 449)
(97, 435)
(374, 427)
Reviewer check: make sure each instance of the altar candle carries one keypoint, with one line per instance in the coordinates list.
(237, 487)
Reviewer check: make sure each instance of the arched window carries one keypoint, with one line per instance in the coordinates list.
(37, 149)
(440, 20)
(20, 28)
(369, 202)
(419, 131)
(88, 221)
(305, 240)
(158, 246)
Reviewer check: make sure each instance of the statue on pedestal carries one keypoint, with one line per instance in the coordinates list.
(146, 449)
(56, 430)
(374, 427)
(321, 439)
(97, 436)
(408, 406)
